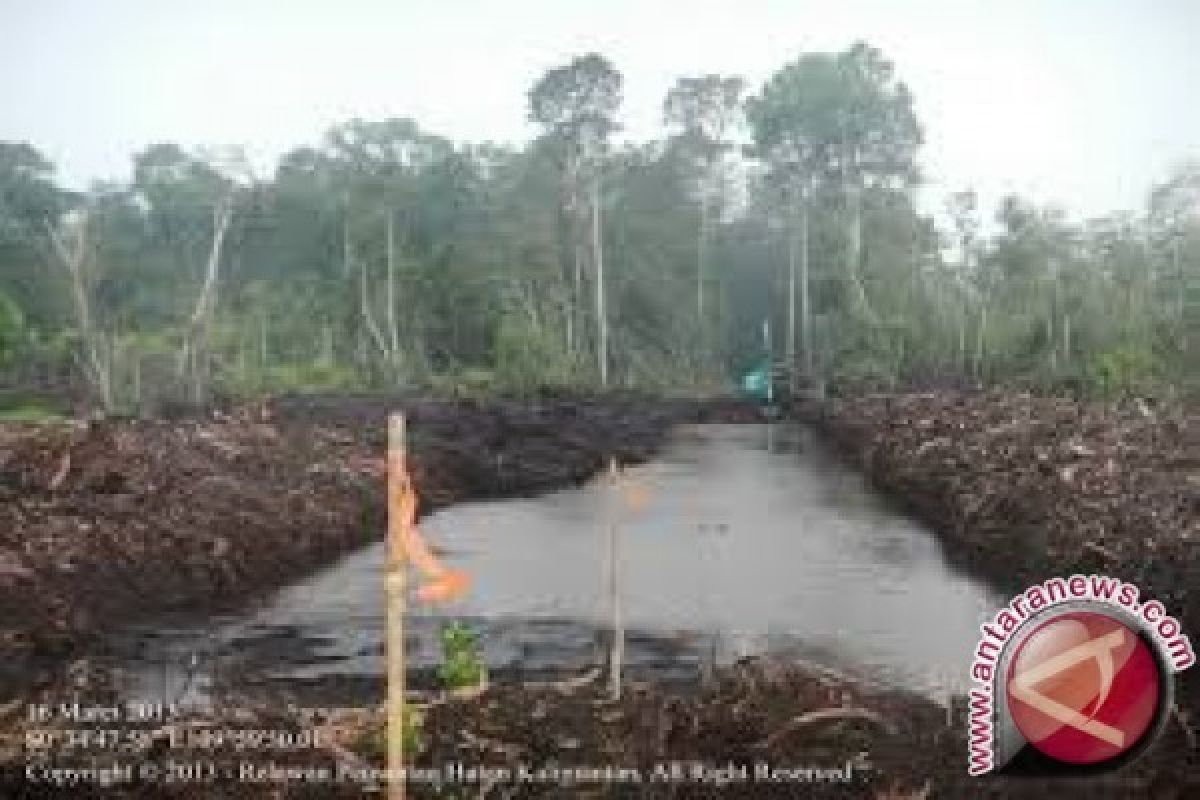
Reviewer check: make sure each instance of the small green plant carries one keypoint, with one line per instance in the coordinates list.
(462, 665)
(372, 744)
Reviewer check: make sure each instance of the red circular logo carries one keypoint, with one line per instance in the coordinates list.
(1083, 688)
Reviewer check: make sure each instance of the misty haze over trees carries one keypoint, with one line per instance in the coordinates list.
(389, 256)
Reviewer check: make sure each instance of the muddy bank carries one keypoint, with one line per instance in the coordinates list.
(1017, 484)
(1023, 488)
(758, 714)
(103, 522)
(760, 728)
(722, 736)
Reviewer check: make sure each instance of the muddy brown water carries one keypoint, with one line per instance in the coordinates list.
(749, 539)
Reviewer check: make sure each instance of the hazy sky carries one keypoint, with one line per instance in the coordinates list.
(1078, 102)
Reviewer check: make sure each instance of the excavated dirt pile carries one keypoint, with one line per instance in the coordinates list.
(761, 729)
(1024, 488)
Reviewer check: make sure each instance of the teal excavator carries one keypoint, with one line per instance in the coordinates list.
(759, 383)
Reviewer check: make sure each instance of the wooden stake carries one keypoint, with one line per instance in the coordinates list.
(394, 590)
(617, 653)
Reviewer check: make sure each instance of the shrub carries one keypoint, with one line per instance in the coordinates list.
(462, 665)
(373, 742)
(1122, 370)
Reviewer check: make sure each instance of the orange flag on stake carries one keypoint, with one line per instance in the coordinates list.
(442, 584)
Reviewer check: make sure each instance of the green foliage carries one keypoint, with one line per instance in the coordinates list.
(302, 376)
(462, 664)
(12, 330)
(813, 113)
(35, 414)
(470, 383)
(372, 742)
(528, 356)
(1122, 371)
(576, 102)
(388, 256)
(863, 372)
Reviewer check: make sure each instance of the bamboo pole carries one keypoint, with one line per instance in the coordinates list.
(394, 589)
(617, 651)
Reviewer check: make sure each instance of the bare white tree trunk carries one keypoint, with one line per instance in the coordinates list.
(195, 335)
(806, 328)
(598, 257)
(793, 246)
(1052, 317)
(575, 233)
(701, 257)
(855, 255)
(368, 317)
(962, 336)
(981, 338)
(393, 329)
(70, 242)
(852, 190)
(1066, 338)
(1181, 287)
(577, 288)
(262, 341)
(137, 380)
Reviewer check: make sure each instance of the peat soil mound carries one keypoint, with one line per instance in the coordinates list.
(102, 522)
(1023, 488)
(759, 729)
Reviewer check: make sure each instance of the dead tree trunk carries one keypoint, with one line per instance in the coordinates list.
(393, 329)
(598, 257)
(195, 336)
(368, 318)
(575, 223)
(806, 326)
(793, 246)
(70, 243)
(981, 339)
(701, 256)
(852, 191)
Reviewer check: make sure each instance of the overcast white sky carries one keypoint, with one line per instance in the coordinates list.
(1080, 103)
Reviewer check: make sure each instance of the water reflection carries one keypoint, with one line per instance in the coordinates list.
(752, 539)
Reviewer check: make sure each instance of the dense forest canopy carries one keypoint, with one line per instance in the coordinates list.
(389, 256)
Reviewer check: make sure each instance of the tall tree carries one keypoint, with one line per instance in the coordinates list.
(28, 197)
(576, 107)
(703, 112)
(838, 120)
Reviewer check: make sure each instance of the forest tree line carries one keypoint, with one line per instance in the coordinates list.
(782, 217)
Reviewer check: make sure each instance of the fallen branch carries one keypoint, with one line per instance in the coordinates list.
(824, 715)
(567, 685)
(480, 743)
(1101, 550)
(64, 467)
(327, 737)
(11, 708)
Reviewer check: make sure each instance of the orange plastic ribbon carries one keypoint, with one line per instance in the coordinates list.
(442, 584)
